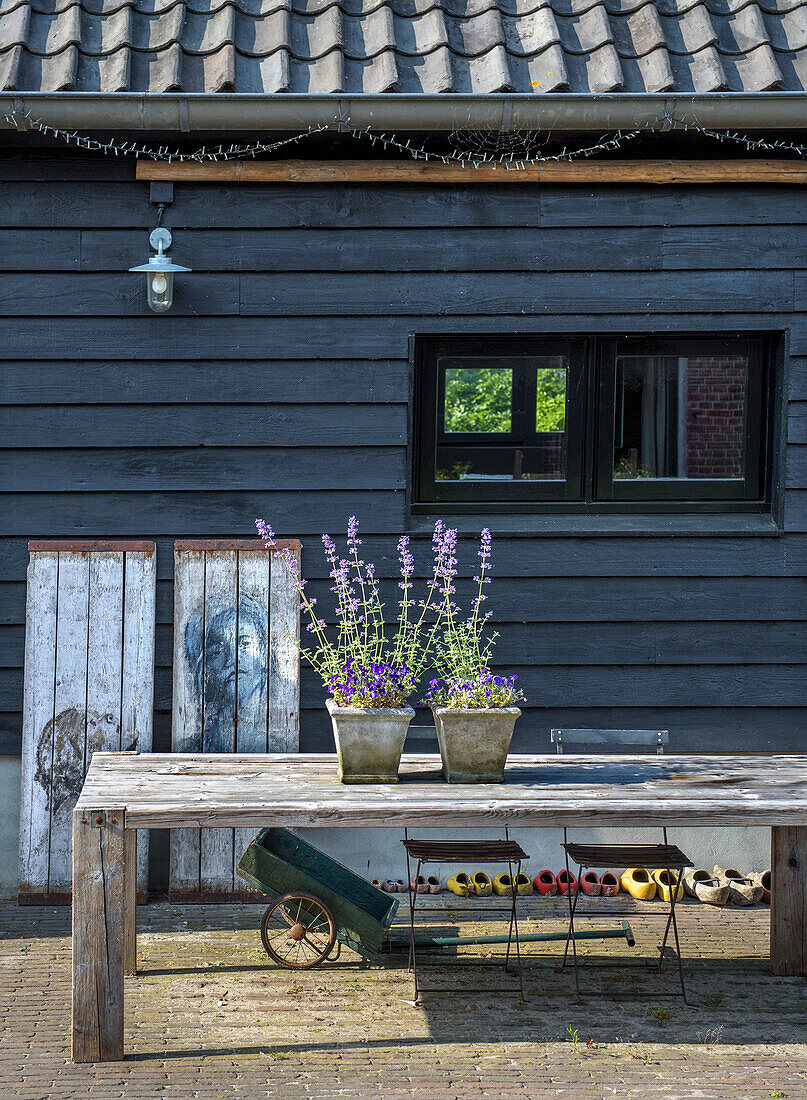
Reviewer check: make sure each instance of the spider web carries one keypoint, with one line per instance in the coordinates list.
(497, 144)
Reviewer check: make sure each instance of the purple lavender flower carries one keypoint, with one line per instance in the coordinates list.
(407, 561)
(485, 548)
(330, 549)
(353, 539)
(265, 531)
(286, 554)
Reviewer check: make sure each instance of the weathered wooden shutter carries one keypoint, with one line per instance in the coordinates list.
(236, 683)
(89, 685)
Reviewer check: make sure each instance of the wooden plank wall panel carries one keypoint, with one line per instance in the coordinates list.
(70, 708)
(137, 707)
(89, 685)
(37, 721)
(188, 704)
(215, 415)
(236, 685)
(220, 644)
(256, 712)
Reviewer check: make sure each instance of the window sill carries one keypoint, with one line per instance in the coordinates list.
(536, 525)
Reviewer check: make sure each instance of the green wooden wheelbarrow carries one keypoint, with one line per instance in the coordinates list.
(318, 904)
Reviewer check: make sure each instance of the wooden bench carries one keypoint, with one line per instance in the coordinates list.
(123, 793)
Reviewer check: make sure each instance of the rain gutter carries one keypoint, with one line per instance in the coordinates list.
(225, 112)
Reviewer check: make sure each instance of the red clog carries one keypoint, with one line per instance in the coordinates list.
(590, 884)
(545, 883)
(765, 883)
(567, 883)
(610, 884)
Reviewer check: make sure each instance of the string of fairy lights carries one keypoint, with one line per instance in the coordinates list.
(512, 159)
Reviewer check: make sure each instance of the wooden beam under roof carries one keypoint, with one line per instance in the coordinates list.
(667, 171)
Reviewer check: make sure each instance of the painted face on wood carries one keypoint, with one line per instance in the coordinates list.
(228, 661)
(61, 750)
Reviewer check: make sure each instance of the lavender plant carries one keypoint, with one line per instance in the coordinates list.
(462, 644)
(370, 662)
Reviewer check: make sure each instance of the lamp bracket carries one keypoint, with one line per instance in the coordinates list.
(160, 239)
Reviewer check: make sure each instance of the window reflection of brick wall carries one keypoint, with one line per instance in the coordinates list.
(552, 454)
(715, 406)
(546, 461)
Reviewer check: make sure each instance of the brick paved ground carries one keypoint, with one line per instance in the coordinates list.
(207, 1016)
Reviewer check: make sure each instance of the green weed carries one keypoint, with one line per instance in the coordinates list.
(711, 1036)
(661, 1014)
(573, 1038)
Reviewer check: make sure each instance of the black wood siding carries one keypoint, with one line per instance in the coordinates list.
(278, 386)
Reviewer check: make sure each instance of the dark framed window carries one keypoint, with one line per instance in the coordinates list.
(608, 423)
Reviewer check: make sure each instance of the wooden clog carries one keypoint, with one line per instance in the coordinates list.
(481, 884)
(742, 891)
(503, 884)
(545, 884)
(590, 884)
(698, 883)
(523, 883)
(763, 879)
(667, 882)
(460, 883)
(609, 884)
(638, 882)
(567, 883)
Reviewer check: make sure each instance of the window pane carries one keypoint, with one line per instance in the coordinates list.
(680, 417)
(550, 397)
(516, 409)
(478, 399)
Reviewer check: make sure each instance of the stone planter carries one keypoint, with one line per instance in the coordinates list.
(369, 741)
(474, 743)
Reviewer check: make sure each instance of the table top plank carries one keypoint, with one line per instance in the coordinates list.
(163, 790)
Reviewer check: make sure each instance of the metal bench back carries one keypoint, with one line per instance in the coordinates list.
(648, 738)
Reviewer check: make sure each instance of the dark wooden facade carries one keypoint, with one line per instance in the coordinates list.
(279, 385)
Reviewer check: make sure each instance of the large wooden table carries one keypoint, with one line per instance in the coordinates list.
(124, 792)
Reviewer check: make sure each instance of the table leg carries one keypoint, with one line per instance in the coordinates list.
(130, 912)
(789, 900)
(99, 873)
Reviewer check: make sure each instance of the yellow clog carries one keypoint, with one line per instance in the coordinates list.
(460, 884)
(523, 883)
(482, 886)
(503, 884)
(638, 882)
(666, 882)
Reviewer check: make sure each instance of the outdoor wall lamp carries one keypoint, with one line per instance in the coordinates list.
(160, 272)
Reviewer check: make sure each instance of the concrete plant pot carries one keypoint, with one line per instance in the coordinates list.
(369, 741)
(474, 743)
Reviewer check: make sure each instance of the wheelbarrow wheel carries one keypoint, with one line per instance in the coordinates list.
(298, 932)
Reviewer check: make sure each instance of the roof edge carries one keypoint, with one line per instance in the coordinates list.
(214, 112)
